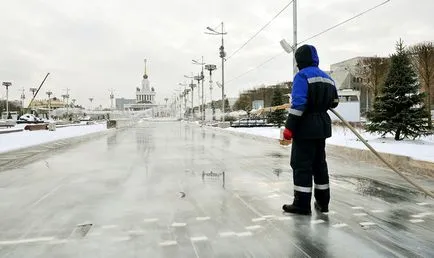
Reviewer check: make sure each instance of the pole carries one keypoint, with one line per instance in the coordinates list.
(185, 103)
(367, 100)
(67, 101)
(192, 106)
(210, 68)
(380, 157)
(112, 96)
(23, 97)
(222, 55)
(198, 97)
(203, 94)
(294, 4)
(210, 95)
(180, 106)
(7, 101)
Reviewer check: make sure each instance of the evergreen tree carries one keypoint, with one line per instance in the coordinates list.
(277, 117)
(243, 103)
(227, 106)
(400, 109)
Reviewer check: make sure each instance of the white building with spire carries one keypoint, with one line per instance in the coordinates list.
(145, 95)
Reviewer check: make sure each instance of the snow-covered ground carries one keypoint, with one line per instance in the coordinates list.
(420, 149)
(14, 141)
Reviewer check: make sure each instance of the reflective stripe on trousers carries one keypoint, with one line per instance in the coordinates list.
(322, 187)
(303, 189)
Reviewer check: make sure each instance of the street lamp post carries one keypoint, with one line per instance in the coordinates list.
(91, 100)
(49, 93)
(112, 96)
(7, 85)
(166, 100)
(210, 68)
(202, 78)
(198, 79)
(66, 96)
(192, 86)
(187, 91)
(180, 105)
(67, 104)
(294, 36)
(33, 91)
(222, 56)
(286, 46)
(23, 97)
(184, 94)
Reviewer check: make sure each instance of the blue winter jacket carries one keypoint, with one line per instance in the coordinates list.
(313, 93)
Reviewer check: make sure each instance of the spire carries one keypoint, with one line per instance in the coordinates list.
(145, 76)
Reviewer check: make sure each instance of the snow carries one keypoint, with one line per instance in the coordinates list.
(419, 149)
(270, 132)
(14, 141)
(9, 130)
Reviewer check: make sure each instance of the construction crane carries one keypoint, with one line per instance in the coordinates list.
(36, 93)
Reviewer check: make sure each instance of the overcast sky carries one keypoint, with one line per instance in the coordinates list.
(91, 46)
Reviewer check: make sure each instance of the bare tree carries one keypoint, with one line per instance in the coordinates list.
(423, 60)
(373, 71)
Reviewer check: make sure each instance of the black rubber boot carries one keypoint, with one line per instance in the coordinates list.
(291, 208)
(322, 199)
(321, 208)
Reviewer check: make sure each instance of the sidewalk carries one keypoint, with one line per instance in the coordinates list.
(24, 139)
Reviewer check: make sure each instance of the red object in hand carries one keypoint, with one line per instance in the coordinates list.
(287, 134)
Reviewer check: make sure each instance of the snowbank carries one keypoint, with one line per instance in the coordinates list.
(270, 132)
(14, 141)
(420, 149)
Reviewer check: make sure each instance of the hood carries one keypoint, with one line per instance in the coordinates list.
(306, 56)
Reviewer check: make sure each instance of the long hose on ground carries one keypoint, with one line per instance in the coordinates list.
(430, 194)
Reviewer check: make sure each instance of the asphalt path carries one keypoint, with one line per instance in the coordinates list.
(171, 189)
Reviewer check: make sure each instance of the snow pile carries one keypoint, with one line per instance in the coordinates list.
(420, 149)
(14, 141)
(270, 132)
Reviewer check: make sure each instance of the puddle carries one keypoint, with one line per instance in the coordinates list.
(370, 187)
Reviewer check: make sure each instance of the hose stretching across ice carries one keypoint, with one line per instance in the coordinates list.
(430, 194)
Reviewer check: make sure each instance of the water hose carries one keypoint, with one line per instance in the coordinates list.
(430, 194)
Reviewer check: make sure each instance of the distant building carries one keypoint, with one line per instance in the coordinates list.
(121, 102)
(345, 74)
(45, 104)
(350, 86)
(145, 95)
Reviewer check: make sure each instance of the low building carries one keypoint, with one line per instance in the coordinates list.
(345, 75)
(121, 102)
(48, 104)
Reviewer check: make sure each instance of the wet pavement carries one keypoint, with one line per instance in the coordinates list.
(176, 190)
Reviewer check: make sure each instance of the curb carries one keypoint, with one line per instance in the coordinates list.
(403, 163)
(400, 162)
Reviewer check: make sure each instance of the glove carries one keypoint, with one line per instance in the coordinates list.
(287, 134)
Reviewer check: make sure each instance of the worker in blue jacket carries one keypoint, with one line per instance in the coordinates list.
(308, 125)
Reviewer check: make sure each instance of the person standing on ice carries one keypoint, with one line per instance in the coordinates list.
(308, 125)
